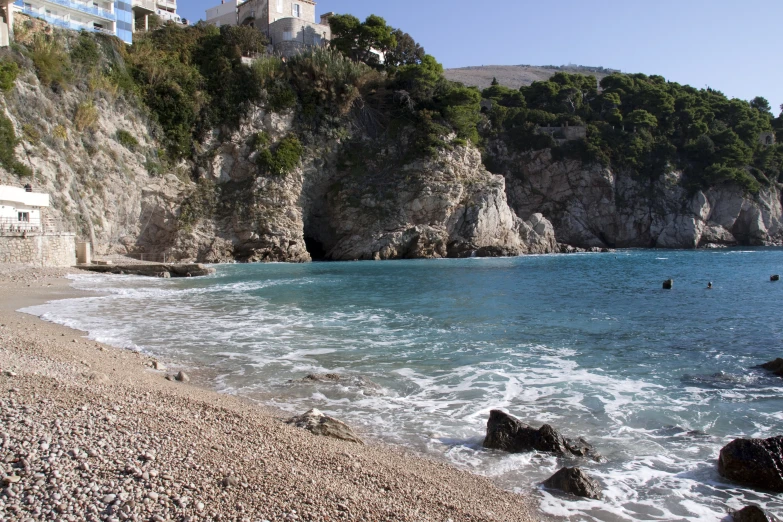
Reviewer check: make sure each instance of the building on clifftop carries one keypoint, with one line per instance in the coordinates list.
(291, 25)
(112, 17)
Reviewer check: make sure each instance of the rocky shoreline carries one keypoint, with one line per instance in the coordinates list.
(91, 432)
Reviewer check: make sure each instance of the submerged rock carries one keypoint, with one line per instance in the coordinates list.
(574, 481)
(775, 366)
(358, 381)
(754, 462)
(752, 514)
(506, 432)
(317, 423)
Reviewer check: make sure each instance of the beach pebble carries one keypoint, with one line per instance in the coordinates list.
(230, 481)
(182, 377)
(108, 499)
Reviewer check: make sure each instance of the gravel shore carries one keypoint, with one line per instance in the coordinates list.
(91, 432)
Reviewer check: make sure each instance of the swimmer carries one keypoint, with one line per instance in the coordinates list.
(709, 285)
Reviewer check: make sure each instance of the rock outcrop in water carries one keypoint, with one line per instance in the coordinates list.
(752, 514)
(574, 481)
(775, 366)
(593, 206)
(355, 381)
(317, 423)
(754, 462)
(506, 432)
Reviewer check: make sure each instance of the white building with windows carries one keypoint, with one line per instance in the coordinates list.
(291, 25)
(166, 10)
(112, 17)
(21, 210)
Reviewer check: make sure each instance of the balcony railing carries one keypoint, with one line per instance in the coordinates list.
(59, 22)
(78, 6)
(86, 8)
(10, 226)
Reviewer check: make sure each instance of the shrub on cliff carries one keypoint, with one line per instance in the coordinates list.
(9, 70)
(8, 143)
(283, 159)
(127, 140)
(52, 63)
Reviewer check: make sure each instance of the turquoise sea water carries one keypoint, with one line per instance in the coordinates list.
(657, 380)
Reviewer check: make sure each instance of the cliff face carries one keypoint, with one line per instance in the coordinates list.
(95, 154)
(592, 206)
(449, 206)
(69, 139)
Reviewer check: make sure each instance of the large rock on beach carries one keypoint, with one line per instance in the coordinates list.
(506, 432)
(318, 423)
(775, 366)
(752, 514)
(754, 462)
(574, 481)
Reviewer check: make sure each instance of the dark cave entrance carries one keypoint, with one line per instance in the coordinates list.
(315, 248)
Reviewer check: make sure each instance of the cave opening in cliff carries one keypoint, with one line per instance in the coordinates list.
(315, 248)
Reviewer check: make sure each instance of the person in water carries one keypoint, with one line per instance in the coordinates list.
(709, 285)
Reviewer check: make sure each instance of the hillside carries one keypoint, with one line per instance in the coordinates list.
(176, 146)
(515, 76)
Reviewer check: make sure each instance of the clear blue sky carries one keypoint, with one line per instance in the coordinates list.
(728, 45)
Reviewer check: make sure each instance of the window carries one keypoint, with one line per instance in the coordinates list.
(288, 36)
(279, 6)
(296, 10)
(24, 217)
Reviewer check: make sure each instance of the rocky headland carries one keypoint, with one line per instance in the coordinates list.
(349, 167)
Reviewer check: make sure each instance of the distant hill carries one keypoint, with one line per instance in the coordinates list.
(515, 76)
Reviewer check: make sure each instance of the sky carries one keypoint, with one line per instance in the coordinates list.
(728, 45)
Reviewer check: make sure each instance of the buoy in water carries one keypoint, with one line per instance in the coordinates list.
(668, 284)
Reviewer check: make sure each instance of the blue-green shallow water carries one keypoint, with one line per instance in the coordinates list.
(657, 380)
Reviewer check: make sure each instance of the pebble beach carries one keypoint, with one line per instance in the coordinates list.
(92, 432)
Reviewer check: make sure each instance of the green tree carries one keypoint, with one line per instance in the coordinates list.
(495, 81)
(405, 52)
(361, 41)
(247, 40)
(761, 104)
(641, 118)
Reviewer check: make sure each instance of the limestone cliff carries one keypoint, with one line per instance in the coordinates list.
(97, 156)
(449, 206)
(593, 206)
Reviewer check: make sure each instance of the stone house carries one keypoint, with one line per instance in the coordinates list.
(291, 25)
(767, 138)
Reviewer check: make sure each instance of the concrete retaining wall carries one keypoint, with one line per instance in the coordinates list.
(39, 249)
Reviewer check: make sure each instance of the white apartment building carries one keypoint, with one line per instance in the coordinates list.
(165, 9)
(106, 16)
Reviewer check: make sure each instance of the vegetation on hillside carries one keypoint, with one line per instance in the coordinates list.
(377, 87)
(647, 125)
